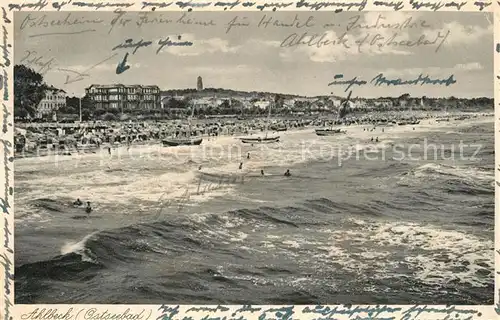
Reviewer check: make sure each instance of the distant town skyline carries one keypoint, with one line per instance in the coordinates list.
(259, 58)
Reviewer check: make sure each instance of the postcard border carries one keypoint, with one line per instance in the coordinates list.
(11, 311)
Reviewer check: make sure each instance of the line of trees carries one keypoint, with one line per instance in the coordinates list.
(29, 90)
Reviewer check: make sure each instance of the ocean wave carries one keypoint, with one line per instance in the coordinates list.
(354, 244)
(434, 170)
(468, 188)
(124, 245)
(431, 254)
(49, 204)
(451, 179)
(68, 267)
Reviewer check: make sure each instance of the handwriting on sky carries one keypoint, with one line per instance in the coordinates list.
(382, 80)
(357, 33)
(341, 35)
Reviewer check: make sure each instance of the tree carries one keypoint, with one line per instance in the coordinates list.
(225, 105)
(237, 106)
(73, 105)
(279, 101)
(29, 90)
(176, 104)
(109, 117)
(99, 112)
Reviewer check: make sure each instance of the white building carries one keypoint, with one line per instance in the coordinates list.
(210, 102)
(54, 100)
(262, 104)
(289, 103)
(204, 102)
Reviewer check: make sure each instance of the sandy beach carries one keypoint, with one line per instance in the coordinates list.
(215, 146)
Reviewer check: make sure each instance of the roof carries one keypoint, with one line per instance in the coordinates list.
(119, 85)
(52, 88)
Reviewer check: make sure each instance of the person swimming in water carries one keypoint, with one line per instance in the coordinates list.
(78, 202)
(248, 155)
(261, 172)
(199, 168)
(88, 209)
(287, 173)
(371, 139)
(376, 140)
(241, 165)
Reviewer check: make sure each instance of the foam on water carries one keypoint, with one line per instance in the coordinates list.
(437, 255)
(30, 215)
(470, 173)
(78, 248)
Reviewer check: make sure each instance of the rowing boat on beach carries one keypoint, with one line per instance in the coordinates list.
(264, 139)
(174, 142)
(188, 141)
(260, 140)
(329, 132)
(404, 123)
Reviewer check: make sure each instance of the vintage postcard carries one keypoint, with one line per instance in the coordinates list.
(289, 160)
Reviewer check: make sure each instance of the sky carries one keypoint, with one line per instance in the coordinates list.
(252, 58)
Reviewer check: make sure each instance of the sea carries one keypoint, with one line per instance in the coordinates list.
(405, 220)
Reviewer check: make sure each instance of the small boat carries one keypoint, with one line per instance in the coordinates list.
(174, 142)
(404, 123)
(260, 140)
(265, 139)
(329, 132)
(188, 141)
(278, 128)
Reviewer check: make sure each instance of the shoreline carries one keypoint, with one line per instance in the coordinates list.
(68, 154)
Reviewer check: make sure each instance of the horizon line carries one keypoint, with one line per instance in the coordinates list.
(292, 94)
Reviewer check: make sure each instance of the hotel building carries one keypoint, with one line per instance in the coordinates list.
(124, 97)
(54, 100)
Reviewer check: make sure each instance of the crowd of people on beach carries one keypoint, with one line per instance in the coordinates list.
(31, 137)
(30, 140)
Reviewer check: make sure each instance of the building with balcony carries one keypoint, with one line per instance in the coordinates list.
(124, 97)
(54, 100)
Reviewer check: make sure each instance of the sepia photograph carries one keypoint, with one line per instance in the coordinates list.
(253, 157)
